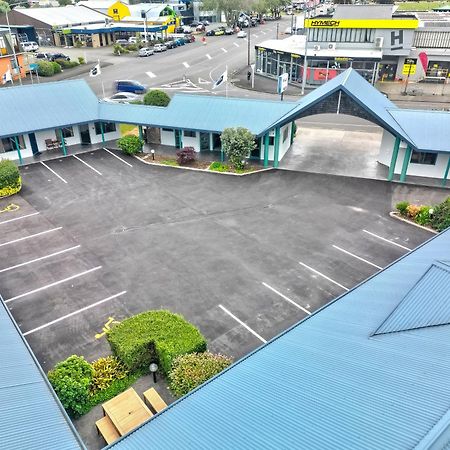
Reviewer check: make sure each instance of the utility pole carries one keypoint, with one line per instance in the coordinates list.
(12, 42)
(248, 45)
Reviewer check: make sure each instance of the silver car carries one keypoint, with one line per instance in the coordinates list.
(160, 48)
(146, 51)
(122, 97)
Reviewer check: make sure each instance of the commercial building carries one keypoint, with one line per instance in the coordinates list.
(8, 63)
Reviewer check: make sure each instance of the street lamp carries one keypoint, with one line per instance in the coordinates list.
(153, 369)
(11, 39)
(152, 151)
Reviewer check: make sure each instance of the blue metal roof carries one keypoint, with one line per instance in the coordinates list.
(31, 416)
(327, 383)
(29, 108)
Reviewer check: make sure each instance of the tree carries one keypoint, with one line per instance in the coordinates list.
(237, 143)
(64, 2)
(130, 144)
(231, 8)
(156, 97)
(4, 7)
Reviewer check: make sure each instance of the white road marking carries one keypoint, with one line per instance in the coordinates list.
(74, 313)
(42, 288)
(254, 35)
(18, 218)
(243, 324)
(185, 64)
(208, 56)
(151, 74)
(224, 50)
(86, 164)
(387, 240)
(263, 32)
(235, 44)
(356, 256)
(118, 157)
(39, 259)
(323, 276)
(53, 172)
(30, 236)
(286, 298)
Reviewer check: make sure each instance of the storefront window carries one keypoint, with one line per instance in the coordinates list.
(108, 127)
(9, 144)
(423, 158)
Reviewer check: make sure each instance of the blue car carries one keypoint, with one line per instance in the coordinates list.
(130, 86)
(180, 41)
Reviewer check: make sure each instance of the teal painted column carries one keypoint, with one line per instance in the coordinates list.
(293, 127)
(276, 150)
(141, 134)
(266, 150)
(63, 144)
(394, 159)
(406, 159)
(103, 132)
(447, 170)
(18, 150)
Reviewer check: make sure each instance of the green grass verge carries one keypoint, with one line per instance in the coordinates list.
(419, 6)
(126, 128)
(168, 162)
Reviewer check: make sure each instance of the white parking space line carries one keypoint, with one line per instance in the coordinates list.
(208, 56)
(185, 64)
(53, 172)
(224, 50)
(19, 218)
(56, 283)
(118, 157)
(254, 35)
(263, 32)
(74, 313)
(286, 298)
(86, 164)
(242, 323)
(31, 236)
(235, 44)
(150, 74)
(324, 276)
(39, 259)
(357, 257)
(387, 240)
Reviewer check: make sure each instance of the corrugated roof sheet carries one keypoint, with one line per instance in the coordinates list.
(47, 105)
(30, 415)
(326, 383)
(427, 304)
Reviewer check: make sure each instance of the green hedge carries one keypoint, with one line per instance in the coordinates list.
(10, 180)
(190, 371)
(441, 216)
(154, 334)
(45, 69)
(130, 144)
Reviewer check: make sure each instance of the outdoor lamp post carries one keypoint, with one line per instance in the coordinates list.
(153, 369)
(152, 151)
(431, 212)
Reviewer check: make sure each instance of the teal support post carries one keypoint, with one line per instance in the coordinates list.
(266, 150)
(221, 154)
(18, 150)
(406, 159)
(141, 134)
(394, 159)
(103, 132)
(447, 170)
(63, 144)
(276, 150)
(293, 130)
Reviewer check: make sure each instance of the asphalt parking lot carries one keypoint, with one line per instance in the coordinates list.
(101, 235)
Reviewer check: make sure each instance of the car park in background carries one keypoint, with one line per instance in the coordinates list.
(146, 51)
(157, 48)
(122, 97)
(129, 86)
(29, 46)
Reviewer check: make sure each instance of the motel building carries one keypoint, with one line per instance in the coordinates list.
(63, 115)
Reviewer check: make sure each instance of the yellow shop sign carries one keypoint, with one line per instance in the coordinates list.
(363, 23)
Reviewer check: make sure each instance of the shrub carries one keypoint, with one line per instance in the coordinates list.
(156, 97)
(106, 371)
(237, 143)
(45, 69)
(441, 215)
(186, 155)
(402, 208)
(130, 144)
(56, 67)
(190, 371)
(133, 47)
(219, 167)
(71, 380)
(119, 50)
(423, 216)
(78, 44)
(67, 64)
(412, 211)
(154, 335)
(10, 180)
(81, 60)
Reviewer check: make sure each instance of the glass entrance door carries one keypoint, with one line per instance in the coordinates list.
(85, 136)
(204, 142)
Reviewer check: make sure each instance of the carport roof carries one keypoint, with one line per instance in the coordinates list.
(31, 417)
(328, 382)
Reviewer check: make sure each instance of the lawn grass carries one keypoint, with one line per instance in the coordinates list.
(420, 6)
(128, 129)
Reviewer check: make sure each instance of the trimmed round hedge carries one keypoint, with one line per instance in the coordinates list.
(152, 335)
(190, 371)
(10, 180)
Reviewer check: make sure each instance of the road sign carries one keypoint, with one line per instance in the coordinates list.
(283, 80)
(409, 67)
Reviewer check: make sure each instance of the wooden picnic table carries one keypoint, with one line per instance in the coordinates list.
(126, 411)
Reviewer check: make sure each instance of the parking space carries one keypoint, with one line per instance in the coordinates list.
(243, 258)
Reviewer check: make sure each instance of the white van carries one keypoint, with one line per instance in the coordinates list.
(29, 46)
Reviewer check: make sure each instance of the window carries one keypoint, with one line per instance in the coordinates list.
(67, 132)
(169, 130)
(9, 144)
(271, 140)
(108, 127)
(285, 134)
(423, 158)
(189, 133)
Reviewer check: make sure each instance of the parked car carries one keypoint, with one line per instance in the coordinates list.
(170, 44)
(195, 23)
(242, 34)
(132, 40)
(189, 38)
(205, 22)
(179, 30)
(146, 51)
(210, 33)
(186, 29)
(55, 56)
(122, 42)
(130, 86)
(200, 27)
(229, 31)
(122, 97)
(219, 31)
(29, 46)
(41, 56)
(179, 41)
(159, 48)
